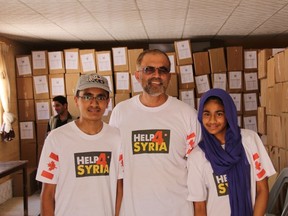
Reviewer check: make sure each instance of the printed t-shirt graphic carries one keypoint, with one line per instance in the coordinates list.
(221, 184)
(150, 141)
(92, 163)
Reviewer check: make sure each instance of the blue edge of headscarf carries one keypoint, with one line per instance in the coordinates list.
(231, 161)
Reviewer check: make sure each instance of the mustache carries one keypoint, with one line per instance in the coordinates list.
(155, 79)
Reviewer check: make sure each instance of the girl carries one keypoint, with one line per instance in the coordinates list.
(228, 170)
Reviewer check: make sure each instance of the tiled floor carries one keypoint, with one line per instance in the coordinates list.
(14, 206)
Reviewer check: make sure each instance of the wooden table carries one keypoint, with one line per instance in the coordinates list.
(10, 167)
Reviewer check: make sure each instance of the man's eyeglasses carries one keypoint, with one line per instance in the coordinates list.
(98, 98)
(150, 70)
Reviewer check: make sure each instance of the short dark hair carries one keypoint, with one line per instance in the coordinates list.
(61, 99)
(152, 51)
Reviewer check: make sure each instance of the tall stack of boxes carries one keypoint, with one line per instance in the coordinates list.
(273, 111)
(185, 72)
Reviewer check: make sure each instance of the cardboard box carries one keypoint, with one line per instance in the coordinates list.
(279, 67)
(73, 109)
(277, 132)
(263, 56)
(186, 77)
(24, 65)
(217, 60)
(120, 59)
(71, 82)
(250, 122)
(219, 80)
(41, 87)
(172, 89)
(122, 82)
(238, 101)
(284, 128)
(28, 151)
(183, 51)
(284, 107)
(278, 91)
(121, 97)
(26, 110)
(263, 92)
(188, 96)
(40, 62)
(72, 60)
(41, 130)
(17, 183)
(250, 60)
(57, 85)
(271, 72)
(262, 120)
(136, 87)
(87, 61)
(104, 62)
(251, 82)
(250, 101)
(274, 155)
(270, 105)
(202, 84)
(43, 110)
(132, 58)
(27, 131)
(286, 65)
(108, 111)
(234, 58)
(56, 62)
(172, 58)
(240, 121)
(235, 81)
(25, 88)
(201, 63)
(111, 84)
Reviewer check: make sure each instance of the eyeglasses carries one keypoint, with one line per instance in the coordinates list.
(151, 70)
(98, 98)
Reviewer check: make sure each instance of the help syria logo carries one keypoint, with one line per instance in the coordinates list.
(92, 163)
(150, 141)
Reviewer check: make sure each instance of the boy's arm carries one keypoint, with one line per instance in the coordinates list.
(200, 208)
(48, 199)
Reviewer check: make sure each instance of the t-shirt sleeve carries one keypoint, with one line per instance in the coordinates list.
(121, 166)
(261, 161)
(48, 167)
(194, 135)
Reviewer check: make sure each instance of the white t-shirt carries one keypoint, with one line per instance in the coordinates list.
(155, 141)
(85, 169)
(204, 185)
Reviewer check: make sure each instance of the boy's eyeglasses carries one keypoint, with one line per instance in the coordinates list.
(98, 98)
(151, 70)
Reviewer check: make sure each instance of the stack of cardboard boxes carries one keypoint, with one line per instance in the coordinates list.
(273, 110)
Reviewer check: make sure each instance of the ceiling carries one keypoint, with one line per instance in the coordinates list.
(86, 21)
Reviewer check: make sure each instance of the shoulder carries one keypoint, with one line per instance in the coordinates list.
(248, 135)
(182, 105)
(111, 129)
(125, 104)
(197, 155)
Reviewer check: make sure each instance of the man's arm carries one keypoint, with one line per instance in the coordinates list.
(48, 199)
(119, 196)
(262, 194)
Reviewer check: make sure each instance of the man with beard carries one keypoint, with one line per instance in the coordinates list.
(157, 133)
(60, 105)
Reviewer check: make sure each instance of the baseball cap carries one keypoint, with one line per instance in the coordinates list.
(92, 81)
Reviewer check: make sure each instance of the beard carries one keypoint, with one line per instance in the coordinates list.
(154, 89)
